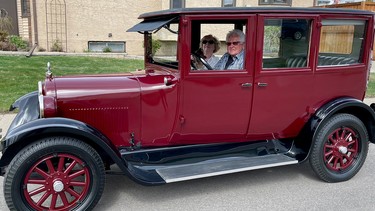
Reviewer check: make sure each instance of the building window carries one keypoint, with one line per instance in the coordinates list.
(109, 46)
(177, 4)
(228, 3)
(323, 2)
(25, 8)
(276, 2)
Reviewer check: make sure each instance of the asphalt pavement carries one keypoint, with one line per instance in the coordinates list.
(294, 187)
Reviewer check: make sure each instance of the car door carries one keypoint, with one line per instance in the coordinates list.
(216, 104)
(283, 78)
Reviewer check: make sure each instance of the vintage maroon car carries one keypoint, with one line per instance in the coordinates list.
(292, 100)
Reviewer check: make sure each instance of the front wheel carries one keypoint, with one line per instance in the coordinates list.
(340, 148)
(57, 173)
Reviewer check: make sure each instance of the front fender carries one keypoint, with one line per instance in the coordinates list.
(28, 106)
(19, 137)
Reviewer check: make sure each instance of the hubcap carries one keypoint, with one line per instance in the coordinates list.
(341, 149)
(58, 186)
(57, 182)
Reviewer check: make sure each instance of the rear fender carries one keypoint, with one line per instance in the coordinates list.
(23, 135)
(342, 105)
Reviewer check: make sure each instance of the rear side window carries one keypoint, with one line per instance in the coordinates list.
(341, 42)
(286, 43)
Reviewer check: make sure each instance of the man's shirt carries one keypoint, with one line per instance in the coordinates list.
(236, 64)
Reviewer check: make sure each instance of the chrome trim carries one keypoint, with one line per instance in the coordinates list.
(165, 81)
(260, 84)
(48, 73)
(228, 171)
(246, 84)
(40, 99)
(40, 88)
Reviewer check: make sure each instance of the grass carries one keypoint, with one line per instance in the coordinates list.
(371, 86)
(19, 75)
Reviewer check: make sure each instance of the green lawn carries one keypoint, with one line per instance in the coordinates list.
(20, 75)
(371, 86)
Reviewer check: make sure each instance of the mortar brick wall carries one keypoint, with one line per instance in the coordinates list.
(93, 20)
(23, 27)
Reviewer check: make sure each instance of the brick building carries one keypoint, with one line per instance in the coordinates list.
(92, 25)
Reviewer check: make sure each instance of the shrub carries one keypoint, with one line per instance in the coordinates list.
(107, 50)
(155, 46)
(3, 36)
(41, 49)
(18, 42)
(56, 47)
(7, 46)
(272, 39)
(5, 27)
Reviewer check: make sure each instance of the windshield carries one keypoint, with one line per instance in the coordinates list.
(162, 46)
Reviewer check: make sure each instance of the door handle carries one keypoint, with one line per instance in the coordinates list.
(262, 84)
(246, 85)
(168, 81)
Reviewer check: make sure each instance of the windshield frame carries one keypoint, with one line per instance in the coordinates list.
(157, 35)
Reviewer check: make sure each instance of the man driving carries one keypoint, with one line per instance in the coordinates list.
(233, 58)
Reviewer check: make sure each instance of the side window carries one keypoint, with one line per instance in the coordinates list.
(218, 45)
(286, 43)
(341, 42)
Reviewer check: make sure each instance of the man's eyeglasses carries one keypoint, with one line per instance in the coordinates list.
(208, 41)
(234, 43)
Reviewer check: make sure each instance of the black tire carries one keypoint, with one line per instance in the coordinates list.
(68, 171)
(297, 35)
(340, 148)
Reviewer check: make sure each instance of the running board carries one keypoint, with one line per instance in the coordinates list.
(156, 166)
(222, 166)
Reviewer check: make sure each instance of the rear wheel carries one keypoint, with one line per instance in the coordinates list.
(55, 174)
(340, 148)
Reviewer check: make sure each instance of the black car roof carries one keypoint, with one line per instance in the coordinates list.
(236, 10)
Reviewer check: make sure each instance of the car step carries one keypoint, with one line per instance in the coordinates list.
(222, 166)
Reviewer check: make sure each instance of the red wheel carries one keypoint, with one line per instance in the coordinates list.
(54, 174)
(61, 186)
(340, 148)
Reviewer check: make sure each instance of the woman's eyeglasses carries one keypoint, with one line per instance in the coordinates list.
(208, 41)
(234, 43)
